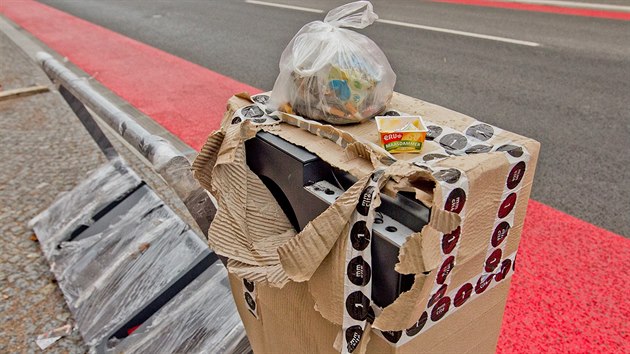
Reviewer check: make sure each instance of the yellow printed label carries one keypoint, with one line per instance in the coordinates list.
(401, 133)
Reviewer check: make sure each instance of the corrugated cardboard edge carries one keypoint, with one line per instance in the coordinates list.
(302, 255)
(249, 224)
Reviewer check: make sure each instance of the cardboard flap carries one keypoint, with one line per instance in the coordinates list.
(444, 221)
(302, 255)
(207, 158)
(406, 310)
(249, 225)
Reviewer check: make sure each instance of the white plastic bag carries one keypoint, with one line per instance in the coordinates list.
(334, 74)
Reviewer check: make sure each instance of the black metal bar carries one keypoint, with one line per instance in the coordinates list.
(90, 125)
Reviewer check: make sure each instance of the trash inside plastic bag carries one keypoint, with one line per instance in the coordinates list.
(334, 74)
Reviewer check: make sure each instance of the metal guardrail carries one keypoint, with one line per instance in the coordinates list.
(167, 161)
(148, 296)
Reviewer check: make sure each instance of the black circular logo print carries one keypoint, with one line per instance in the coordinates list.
(455, 201)
(493, 260)
(250, 301)
(449, 241)
(482, 283)
(353, 337)
(453, 141)
(440, 309)
(252, 112)
(365, 200)
(392, 336)
(433, 131)
(438, 295)
(500, 233)
(417, 327)
(262, 99)
(431, 157)
(478, 149)
(463, 294)
(359, 271)
(391, 113)
(505, 269)
(236, 120)
(513, 150)
(360, 236)
(248, 285)
(516, 175)
(358, 306)
(480, 131)
(507, 206)
(445, 270)
(450, 175)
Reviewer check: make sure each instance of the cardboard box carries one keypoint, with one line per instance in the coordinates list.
(292, 289)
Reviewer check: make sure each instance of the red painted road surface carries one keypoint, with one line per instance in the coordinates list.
(612, 15)
(570, 293)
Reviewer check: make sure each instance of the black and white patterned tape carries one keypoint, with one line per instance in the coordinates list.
(454, 185)
(450, 303)
(256, 114)
(358, 279)
(518, 158)
(249, 292)
(445, 141)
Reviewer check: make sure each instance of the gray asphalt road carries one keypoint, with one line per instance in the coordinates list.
(572, 93)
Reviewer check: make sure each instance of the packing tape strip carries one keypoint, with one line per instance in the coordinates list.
(358, 279)
(454, 196)
(454, 185)
(249, 292)
(451, 303)
(454, 200)
(518, 158)
(254, 114)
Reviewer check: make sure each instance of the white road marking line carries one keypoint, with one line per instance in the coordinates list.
(411, 25)
(291, 7)
(461, 33)
(584, 5)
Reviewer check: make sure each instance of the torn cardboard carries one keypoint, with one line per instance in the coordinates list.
(476, 178)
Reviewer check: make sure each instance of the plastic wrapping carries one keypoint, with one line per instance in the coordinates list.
(119, 254)
(334, 74)
(74, 210)
(109, 276)
(200, 319)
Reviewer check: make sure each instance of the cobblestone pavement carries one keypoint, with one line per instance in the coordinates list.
(44, 151)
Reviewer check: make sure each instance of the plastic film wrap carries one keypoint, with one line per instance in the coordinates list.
(72, 210)
(200, 319)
